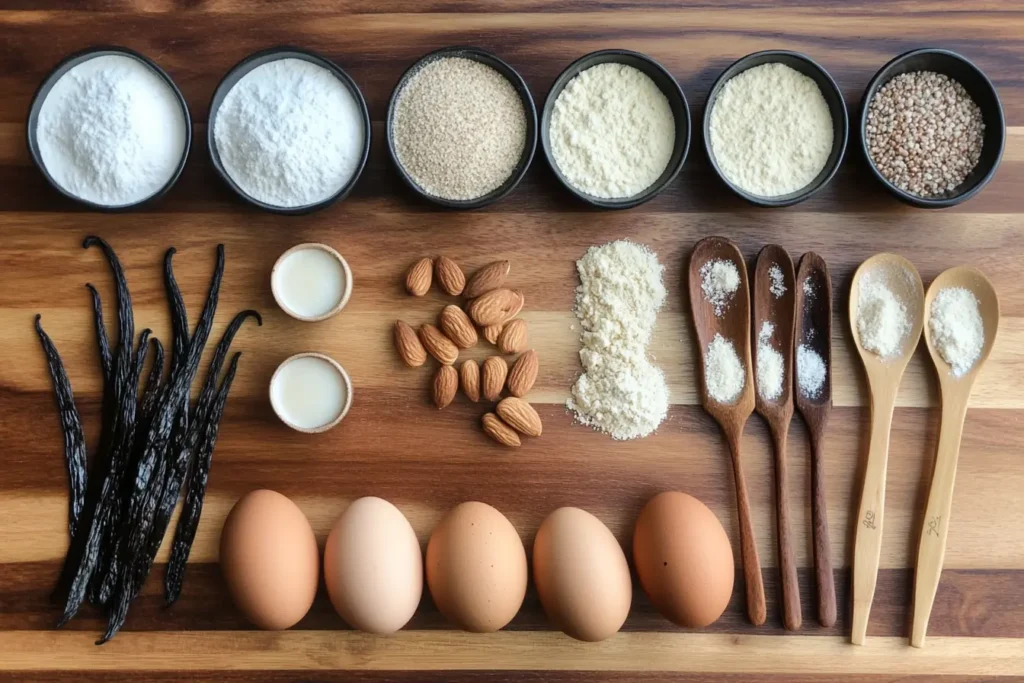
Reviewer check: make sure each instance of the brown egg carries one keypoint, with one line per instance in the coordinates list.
(373, 566)
(581, 574)
(476, 568)
(683, 559)
(270, 560)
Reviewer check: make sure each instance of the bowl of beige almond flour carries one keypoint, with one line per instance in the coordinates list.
(461, 128)
(775, 127)
(615, 128)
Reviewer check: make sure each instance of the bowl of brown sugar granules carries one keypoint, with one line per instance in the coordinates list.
(932, 128)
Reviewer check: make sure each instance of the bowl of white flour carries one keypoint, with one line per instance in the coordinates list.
(289, 131)
(615, 128)
(109, 129)
(775, 127)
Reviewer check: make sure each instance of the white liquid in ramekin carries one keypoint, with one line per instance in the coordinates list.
(310, 282)
(309, 392)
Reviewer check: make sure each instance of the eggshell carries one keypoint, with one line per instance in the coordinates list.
(476, 568)
(581, 575)
(373, 566)
(270, 560)
(683, 559)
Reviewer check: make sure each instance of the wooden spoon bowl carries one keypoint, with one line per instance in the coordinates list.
(884, 375)
(956, 393)
(734, 325)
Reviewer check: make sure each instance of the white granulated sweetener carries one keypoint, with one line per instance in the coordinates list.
(620, 392)
(957, 329)
(612, 131)
(724, 374)
(719, 280)
(289, 133)
(810, 371)
(776, 280)
(771, 130)
(883, 321)
(771, 368)
(111, 131)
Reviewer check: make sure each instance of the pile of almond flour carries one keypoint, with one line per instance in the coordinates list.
(620, 391)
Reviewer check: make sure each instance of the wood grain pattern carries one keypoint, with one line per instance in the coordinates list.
(395, 444)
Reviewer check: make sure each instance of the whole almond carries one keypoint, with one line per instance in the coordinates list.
(496, 306)
(418, 277)
(437, 345)
(446, 383)
(500, 432)
(513, 337)
(449, 275)
(520, 415)
(492, 332)
(487, 278)
(470, 375)
(492, 377)
(519, 304)
(458, 327)
(408, 345)
(523, 374)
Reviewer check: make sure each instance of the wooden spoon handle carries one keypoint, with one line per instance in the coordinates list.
(787, 560)
(936, 519)
(867, 548)
(822, 544)
(756, 608)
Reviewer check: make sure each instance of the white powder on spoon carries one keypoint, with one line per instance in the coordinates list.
(957, 329)
(620, 392)
(724, 374)
(810, 371)
(289, 133)
(777, 281)
(883, 321)
(719, 280)
(771, 367)
(111, 131)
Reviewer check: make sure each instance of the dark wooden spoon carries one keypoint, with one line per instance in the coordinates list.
(777, 309)
(814, 328)
(733, 325)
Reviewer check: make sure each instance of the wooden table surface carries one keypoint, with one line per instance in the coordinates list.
(395, 445)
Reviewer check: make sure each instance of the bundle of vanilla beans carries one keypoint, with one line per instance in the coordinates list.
(153, 444)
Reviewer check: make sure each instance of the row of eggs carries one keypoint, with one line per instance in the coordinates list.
(476, 565)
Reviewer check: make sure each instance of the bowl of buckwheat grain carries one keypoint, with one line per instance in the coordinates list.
(932, 128)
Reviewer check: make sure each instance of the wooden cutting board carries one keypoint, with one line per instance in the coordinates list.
(395, 445)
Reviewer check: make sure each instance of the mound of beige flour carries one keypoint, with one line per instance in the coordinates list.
(620, 391)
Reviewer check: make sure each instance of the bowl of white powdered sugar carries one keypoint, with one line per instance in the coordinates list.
(109, 129)
(289, 131)
(615, 128)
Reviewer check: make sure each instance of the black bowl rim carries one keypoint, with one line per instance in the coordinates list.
(877, 82)
(319, 60)
(648, 194)
(100, 50)
(810, 190)
(529, 149)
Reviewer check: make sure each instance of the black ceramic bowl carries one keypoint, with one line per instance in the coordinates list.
(981, 91)
(51, 79)
(836, 106)
(259, 59)
(676, 100)
(530, 110)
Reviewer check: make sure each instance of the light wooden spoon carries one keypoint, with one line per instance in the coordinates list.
(814, 328)
(778, 412)
(956, 392)
(733, 325)
(884, 376)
